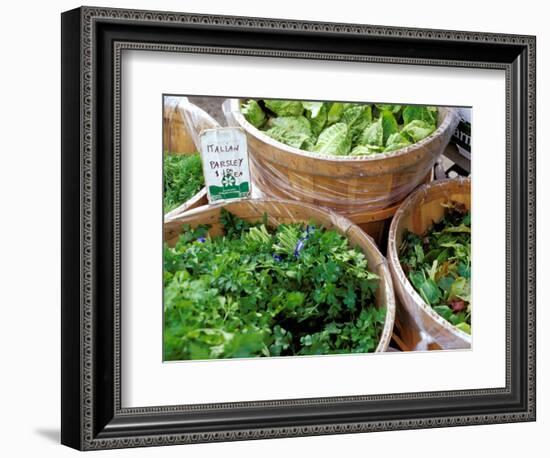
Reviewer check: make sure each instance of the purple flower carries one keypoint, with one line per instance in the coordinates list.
(201, 239)
(299, 247)
(277, 258)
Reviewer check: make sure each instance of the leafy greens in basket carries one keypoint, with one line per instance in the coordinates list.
(260, 291)
(438, 265)
(183, 178)
(337, 128)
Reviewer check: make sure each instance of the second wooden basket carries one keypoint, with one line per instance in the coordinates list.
(281, 211)
(416, 214)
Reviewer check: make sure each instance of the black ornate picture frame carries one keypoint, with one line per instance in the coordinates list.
(92, 42)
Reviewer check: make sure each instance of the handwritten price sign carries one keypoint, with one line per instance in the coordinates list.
(225, 163)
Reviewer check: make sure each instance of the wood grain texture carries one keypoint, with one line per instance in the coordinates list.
(176, 139)
(197, 200)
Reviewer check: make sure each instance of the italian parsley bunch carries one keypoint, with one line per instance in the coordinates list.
(183, 178)
(260, 291)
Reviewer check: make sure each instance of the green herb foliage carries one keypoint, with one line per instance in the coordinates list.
(262, 291)
(336, 128)
(438, 265)
(183, 178)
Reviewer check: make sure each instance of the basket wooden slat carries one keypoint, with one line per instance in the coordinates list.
(281, 211)
(416, 214)
(349, 185)
(197, 200)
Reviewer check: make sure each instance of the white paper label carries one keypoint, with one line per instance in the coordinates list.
(224, 155)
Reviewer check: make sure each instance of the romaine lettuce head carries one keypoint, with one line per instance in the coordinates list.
(389, 125)
(335, 111)
(288, 137)
(308, 145)
(373, 134)
(298, 124)
(421, 113)
(285, 107)
(339, 128)
(335, 140)
(313, 109)
(396, 141)
(253, 113)
(317, 113)
(291, 130)
(395, 109)
(417, 130)
(357, 117)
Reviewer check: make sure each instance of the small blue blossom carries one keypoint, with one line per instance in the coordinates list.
(201, 239)
(277, 258)
(299, 247)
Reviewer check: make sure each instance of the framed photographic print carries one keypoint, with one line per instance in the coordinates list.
(276, 228)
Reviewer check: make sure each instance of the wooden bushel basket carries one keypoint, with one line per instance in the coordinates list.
(176, 138)
(280, 211)
(416, 214)
(179, 139)
(351, 185)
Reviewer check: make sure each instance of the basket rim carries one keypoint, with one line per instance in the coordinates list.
(450, 114)
(187, 205)
(393, 256)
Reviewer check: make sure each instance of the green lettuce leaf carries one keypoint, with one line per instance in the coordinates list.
(396, 141)
(316, 112)
(373, 135)
(285, 107)
(357, 117)
(308, 145)
(464, 327)
(460, 289)
(463, 270)
(253, 113)
(365, 150)
(298, 124)
(445, 282)
(389, 125)
(417, 130)
(313, 108)
(288, 137)
(292, 130)
(417, 278)
(335, 112)
(430, 292)
(335, 139)
(420, 113)
(445, 311)
(395, 109)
